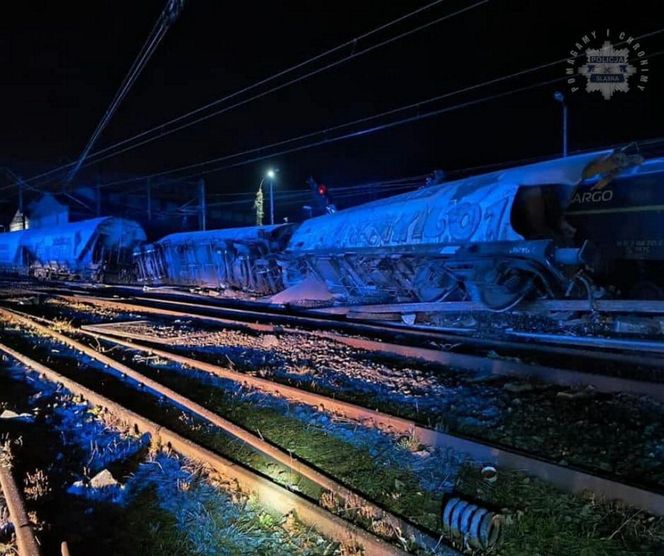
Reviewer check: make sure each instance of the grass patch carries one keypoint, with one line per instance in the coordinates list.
(396, 488)
(543, 520)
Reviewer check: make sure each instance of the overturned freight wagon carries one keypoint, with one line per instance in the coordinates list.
(97, 250)
(494, 238)
(237, 258)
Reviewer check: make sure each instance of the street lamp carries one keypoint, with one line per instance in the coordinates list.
(560, 97)
(271, 174)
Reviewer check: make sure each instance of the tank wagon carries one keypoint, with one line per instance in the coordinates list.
(98, 250)
(239, 258)
(494, 238)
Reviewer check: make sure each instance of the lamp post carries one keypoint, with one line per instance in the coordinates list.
(271, 174)
(560, 97)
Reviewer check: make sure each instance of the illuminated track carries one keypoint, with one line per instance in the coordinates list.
(401, 346)
(567, 478)
(346, 319)
(270, 494)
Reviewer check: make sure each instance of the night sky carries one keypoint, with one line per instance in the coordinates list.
(63, 61)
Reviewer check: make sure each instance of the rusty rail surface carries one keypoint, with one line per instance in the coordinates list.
(653, 306)
(475, 363)
(25, 537)
(563, 477)
(285, 458)
(366, 327)
(271, 495)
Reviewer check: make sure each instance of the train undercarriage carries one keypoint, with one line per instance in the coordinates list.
(499, 275)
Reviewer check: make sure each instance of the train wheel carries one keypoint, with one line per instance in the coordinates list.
(507, 290)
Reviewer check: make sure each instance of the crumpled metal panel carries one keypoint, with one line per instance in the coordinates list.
(474, 209)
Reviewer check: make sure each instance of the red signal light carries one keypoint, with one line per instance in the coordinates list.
(322, 189)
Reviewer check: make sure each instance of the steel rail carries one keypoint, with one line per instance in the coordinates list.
(270, 494)
(331, 321)
(611, 343)
(25, 538)
(474, 363)
(287, 459)
(655, 306)
(573, 305)
(252, 315)
(572, 480)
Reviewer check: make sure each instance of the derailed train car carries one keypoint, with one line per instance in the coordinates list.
(98, 250)
(239, 258)
(583, 225)
(495, 238)
(625, 222)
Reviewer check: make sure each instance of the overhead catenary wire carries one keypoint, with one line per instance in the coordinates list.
(354, 54)
(465, 89)
(146, 52)
(376, 187)
(378, 183)
(290, 197)
(287, 83)
(159, 29)
(486, 83)
(304, 196)
(326, 131)
(377, 128)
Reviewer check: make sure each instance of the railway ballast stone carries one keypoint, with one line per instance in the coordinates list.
(103, 479)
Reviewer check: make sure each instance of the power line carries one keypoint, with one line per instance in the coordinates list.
(326, 131)
(301, 196)
(348, 57)
(282, 86)
(381, 184)
(369, 118)
(490, 82)
(378, 128)
(166, 17)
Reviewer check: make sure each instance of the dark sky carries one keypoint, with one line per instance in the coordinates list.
(63, 61)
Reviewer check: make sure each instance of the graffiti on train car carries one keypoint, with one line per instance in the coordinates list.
(419, 219)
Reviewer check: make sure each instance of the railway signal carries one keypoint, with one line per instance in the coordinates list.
(322, 200)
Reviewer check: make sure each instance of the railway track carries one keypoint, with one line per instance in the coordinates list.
(346, 319)
(573, 480)
(271, 494)
(565, 478)
(461, 361)
(403, 346)
(568, 478)
(588, 350)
